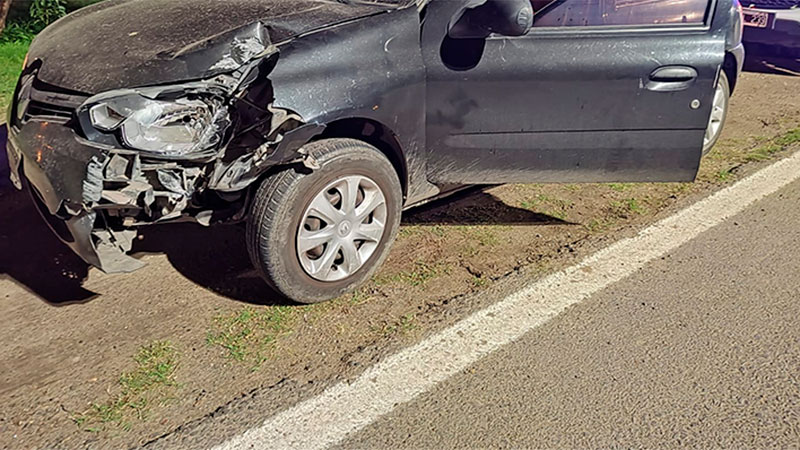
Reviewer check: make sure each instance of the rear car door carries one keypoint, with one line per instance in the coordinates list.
(597, 91)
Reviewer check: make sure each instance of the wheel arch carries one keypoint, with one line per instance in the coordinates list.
(730, 67)
(374, 133)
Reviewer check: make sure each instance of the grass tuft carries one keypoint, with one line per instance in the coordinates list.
(403, 326)
(419, 276)
(549, 206)
(626, 208)
(621, 187)
(249, 335)
(767, 149)
(148, 383)
(724, 175)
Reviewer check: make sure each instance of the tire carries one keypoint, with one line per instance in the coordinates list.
(282, 220)
(719, 113)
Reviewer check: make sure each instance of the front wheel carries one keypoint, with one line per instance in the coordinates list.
(719, 113)
(317, 235)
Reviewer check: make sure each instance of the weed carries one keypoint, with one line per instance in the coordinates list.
(680, 188)
(620, 187)
(761, 148)
(635, 207)
(249, 335)
(479, 281)
(358, 297)
(763, 152)
(788, 138)
(156, 366)
(599, 225)
(557, 202)
(485, 236)
(560, 215)
(415, 230)
(419, 276)
(549, 206)
(139, 389)
(770, 148)
(409, 231)
(405, 325)
(438, 230)
(724, 175)
(625, 208)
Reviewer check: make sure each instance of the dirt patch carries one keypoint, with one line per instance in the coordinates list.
(69, 341)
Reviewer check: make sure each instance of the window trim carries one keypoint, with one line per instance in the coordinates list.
(625, 29)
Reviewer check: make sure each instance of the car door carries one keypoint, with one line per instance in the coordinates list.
(597, 91)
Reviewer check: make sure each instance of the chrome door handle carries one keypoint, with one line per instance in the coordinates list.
(671, 78)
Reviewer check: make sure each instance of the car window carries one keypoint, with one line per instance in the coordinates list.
(592, 13)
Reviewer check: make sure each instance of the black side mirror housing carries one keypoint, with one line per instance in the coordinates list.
(504, 17)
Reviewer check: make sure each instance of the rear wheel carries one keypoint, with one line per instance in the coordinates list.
(719, 112)
(317, 235)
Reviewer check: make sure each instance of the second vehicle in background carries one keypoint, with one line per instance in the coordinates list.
(772, 26)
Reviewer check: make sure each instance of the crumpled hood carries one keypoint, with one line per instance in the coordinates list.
(132, 43)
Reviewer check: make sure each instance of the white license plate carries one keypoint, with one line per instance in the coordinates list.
(757, 19)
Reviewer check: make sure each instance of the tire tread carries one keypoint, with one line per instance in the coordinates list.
(263, 225)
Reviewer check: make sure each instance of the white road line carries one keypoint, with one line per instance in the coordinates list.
(343, 409)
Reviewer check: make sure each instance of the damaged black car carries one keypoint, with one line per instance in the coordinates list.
(317, 122)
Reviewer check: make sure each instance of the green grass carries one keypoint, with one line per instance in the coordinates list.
(485, 236)
(249, 335)
(547, 205)
(407, 231)
(479, 281)
(140, 388)
(403, 326)
(156, 365)
(634, 206)
(625, 208)
(788, 138)
(621, 187)
(600, 225)
(12, 54)
(768, 149)
(724, 175)
(419, 276)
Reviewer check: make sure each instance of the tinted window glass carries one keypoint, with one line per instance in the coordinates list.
(592, 13)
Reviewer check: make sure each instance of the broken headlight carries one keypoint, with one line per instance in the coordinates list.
(178, 127)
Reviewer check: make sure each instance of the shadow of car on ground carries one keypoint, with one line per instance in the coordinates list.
(762, 59)
(214, 257)
(32, 255)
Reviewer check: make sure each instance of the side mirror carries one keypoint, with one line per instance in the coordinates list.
(504, 17)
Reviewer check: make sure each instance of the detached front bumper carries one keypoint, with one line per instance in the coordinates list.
(94, 199)
(47, 158)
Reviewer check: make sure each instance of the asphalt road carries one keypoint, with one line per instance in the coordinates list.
(701, 348)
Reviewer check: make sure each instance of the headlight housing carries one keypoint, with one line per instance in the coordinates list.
(172, 127)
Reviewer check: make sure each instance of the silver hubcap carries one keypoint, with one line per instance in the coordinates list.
(341, 228)
(717, 116)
